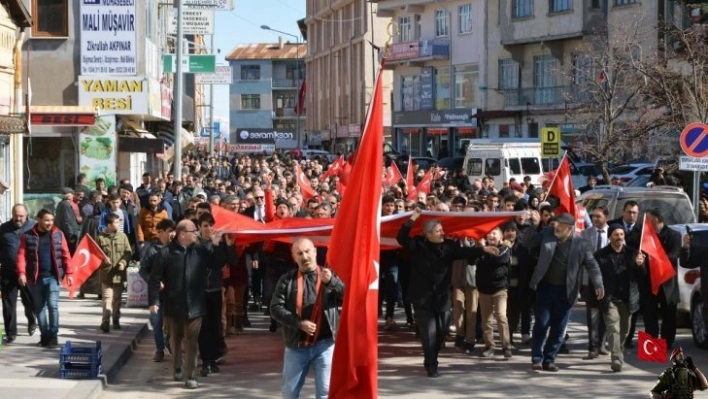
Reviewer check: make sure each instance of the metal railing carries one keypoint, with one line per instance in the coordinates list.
(287, 83)
(557, 95)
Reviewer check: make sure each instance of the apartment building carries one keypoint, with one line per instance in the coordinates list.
(437, 55)
(264, 97)
(343, 39)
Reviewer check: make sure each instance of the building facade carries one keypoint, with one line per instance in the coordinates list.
(436, 57)
(266, 111)
(343, 40)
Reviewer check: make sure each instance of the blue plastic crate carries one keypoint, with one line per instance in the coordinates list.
(79, 373)
(80, 354)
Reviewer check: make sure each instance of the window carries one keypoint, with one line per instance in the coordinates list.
(442, 87)
(493, 167)
(418, 27)
(514, 166)
(404, 29)
(533, 130)
(284, 101)
(292, 71)
(504, 131)
(250, 101)
(250, 72)
(410, 93)
(560, 5)
(544, 78)
(50, 18)
(465, 12)
(53, 164)
(530, 166)
(474, 167)
(441, 28)
(466, 83)
(624, 2)
(508, 74)
(594, 3)
(521, 8)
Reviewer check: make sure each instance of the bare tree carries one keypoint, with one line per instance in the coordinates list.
(607, 96)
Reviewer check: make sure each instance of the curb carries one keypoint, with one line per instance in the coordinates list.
(92, 389)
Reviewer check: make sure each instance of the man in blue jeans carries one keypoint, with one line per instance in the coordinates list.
(305, 303)
(555, 280)
(42, 262)
(165, 234)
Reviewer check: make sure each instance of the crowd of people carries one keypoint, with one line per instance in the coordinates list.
(535, 266)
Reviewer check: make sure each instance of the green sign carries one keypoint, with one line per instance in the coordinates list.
(192, 63)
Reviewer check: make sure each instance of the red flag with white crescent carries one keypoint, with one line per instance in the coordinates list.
(650, 349)
(333, 169)
(304, 184)
(562, 187)
(392, 176)
(86, 260)
(660, 267)
(425, 183)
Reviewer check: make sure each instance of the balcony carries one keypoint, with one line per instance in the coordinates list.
(537, 96)
(286, 83)
(286, 113)
(418, 51)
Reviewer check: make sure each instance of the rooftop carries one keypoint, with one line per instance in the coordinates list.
(267, 51)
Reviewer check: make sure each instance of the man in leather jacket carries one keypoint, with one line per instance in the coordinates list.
(305, 303)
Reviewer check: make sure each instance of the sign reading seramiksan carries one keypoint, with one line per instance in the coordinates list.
(108, 37)
(119, 95)
(262, 136)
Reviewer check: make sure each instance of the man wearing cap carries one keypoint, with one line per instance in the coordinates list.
(555, 280)
(622, 269)
(680, 380)
(66, 220)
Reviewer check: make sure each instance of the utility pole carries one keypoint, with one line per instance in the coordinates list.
(179, 80)
(211, 109)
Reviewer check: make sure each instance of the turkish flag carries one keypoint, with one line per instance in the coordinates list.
(86, 260)
(409, 180)
(355, 235)
(660, 267)
(392, 176)
(333, 169)
(562, 187)
(305, 187)
(651, 349)
(346, 170)
(425, 182)
(300, 106)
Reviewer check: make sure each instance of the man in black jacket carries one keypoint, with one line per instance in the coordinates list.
(622, 270)
(305, 303)
(664, 303)
(431, 257)
(182, 268)
(10, 233)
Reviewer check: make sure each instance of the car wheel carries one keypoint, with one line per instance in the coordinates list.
(698, 326)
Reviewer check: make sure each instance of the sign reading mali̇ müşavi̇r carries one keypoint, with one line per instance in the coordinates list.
(108, 37)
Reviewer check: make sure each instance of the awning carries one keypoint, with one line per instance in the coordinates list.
(165, 131)
(129, 124)
(62, 115)
(495, 114)
(436, 131)
(466, 130)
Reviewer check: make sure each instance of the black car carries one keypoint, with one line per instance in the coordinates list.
(452, 164)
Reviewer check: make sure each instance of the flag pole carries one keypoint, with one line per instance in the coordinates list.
(641, 237)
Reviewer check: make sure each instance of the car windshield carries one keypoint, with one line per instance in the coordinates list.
(620, 170)
(674, 209)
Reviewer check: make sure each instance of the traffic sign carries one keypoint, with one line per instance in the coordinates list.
(550, 142)
(694, 140)
(192, 63)
(693, 164)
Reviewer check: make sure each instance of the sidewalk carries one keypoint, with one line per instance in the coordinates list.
(28, 371)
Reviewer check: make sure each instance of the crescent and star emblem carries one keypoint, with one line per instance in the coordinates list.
(85, 254)
(647, 350)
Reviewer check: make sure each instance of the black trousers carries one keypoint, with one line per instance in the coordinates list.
(433, 328)
(210, 339)
(656, 305)
(10, 289)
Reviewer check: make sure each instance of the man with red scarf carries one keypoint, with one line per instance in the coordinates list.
(305, 303)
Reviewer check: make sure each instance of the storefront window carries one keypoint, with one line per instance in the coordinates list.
(409, 141)
(442, 88)
(466, 83)
(410, 93)
(50, 164)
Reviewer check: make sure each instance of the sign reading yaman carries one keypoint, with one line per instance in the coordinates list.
(108, 37)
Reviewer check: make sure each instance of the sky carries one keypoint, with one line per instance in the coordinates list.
(243, 25)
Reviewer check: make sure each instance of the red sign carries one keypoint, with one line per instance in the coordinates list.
(62, 119)
(694, 140)
(403, 50)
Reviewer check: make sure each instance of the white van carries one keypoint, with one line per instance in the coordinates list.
(502, 159)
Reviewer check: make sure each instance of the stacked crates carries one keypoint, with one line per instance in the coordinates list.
(80, 362)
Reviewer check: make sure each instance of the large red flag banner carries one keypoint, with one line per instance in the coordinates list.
(660, 267)
(562, 187)
(86, 260)
(355, 258)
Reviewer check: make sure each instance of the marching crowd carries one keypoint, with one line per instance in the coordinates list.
(200, 292)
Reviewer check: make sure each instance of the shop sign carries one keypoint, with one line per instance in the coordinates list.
(117, 95)
(98, 150)
(62, 119)
(403, 50)
(262, 136)
(108, 40)
(442, 118)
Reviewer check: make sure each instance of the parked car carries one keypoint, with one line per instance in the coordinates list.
(580, 171)
(672, 201)
(698, 324)
(452, 164)
(630, 171)
(423, 163)
(639, 181)
(311, 154)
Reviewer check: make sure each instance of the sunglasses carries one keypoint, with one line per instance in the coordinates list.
(261, 197)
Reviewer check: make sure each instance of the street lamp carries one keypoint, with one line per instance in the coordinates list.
(297, 63)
